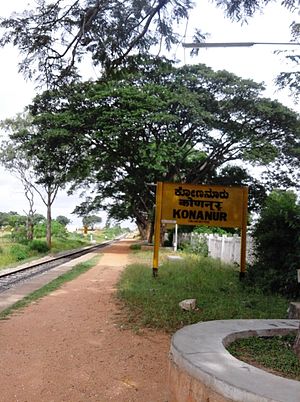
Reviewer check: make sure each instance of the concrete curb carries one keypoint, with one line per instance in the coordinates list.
(206, 371)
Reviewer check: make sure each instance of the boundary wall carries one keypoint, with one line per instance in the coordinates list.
(226, 248)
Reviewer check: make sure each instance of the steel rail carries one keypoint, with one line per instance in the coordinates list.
(10, 278)
(81, 251)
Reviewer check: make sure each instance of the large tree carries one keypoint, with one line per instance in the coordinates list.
(153, 122)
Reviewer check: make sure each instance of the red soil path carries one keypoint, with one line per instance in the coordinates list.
(67, 347)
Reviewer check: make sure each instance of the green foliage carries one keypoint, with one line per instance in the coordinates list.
(16, 220)
(106, 31)
(38, 218)
(42, 167)
(232, 175)
(153, 302)
(19, 234)
(273, 353)
(15, 252)
(277, 238)
(112, 232)
(39, 245)
(209, 230)
(141, 125)
(63, 220)
(135, 246)
(40, 230)
(19, 252)
(68, 243)
(58, 230)
(91, 220)
(197, 246)
(6, 218)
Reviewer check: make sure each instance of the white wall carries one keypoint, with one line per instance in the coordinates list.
(226, 248)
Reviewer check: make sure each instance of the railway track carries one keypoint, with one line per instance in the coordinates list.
(21, 274)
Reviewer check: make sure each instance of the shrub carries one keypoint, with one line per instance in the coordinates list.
(277, 240)
(19, 252)
(57, 229)
(197, 246)
(39, 245)
(135, 246)
(112, 232)
(210, 229)
(201, 247)
(19, 234)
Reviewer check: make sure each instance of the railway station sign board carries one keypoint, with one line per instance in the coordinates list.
(187, 204)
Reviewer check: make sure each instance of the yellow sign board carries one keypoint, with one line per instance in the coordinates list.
(187, 204)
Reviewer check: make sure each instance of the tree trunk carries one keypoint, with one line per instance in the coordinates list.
(29, 228)
(30, 215)
(48, 229)
(143, 230)
(297, 344)
(151, 231)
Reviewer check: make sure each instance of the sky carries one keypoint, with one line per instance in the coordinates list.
(258, 63)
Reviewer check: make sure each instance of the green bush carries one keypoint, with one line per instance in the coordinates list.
(135, 246)
(39, 245)
(112, 232)
(209, 229)
(277, 239)
(198, 246)
(19, 252)
(57, 229)
(201, 246)
(19, 234)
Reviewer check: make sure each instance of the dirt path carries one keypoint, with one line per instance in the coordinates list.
(67, 348)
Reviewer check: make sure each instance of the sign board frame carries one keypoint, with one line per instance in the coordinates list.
(188, 204)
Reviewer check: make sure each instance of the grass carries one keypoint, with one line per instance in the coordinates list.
(13, 253)
(153, 302)
(274, 354)
(68, 243)
(50, 287)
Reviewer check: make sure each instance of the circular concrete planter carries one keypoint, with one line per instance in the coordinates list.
(201, 369)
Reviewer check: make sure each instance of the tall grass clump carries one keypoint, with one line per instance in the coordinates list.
(40, 246)
(19, 252)
(153, 302)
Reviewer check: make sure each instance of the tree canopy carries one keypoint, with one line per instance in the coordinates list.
(91, 221)
(277, 236)
(54, 36)
(63, 220)
(158, 122)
